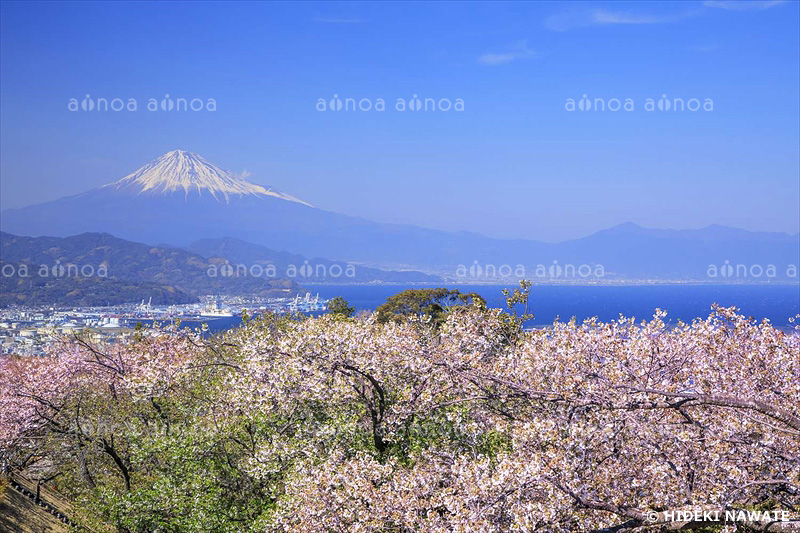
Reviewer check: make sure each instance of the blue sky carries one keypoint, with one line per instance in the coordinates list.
(513, 163)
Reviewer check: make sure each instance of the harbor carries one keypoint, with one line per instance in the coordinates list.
(30, 331)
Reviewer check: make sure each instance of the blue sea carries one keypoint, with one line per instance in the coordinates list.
(547, 302)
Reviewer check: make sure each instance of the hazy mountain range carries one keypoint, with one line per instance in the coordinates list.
(182, 199)
(100, 269)
(253, 257)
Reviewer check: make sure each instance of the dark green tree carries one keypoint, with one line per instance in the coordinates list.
(340, 307)
(425, 303)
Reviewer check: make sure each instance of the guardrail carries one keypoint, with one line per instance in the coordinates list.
(46, 498)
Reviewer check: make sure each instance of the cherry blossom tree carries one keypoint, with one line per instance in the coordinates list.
(469, 424)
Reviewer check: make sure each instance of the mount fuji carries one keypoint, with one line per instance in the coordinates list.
(180, 198)
(179, 171)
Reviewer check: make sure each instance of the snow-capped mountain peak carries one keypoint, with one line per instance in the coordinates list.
(189, 172)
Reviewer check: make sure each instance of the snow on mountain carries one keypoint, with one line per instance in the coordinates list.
(189, 172)
(180, 198)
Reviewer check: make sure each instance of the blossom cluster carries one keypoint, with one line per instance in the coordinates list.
(323, 424)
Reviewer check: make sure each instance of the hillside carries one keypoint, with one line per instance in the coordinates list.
(100, 269)
(28, 508)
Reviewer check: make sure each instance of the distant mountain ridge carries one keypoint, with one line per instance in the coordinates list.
(181, 198)
(240, 253)
(100, 269)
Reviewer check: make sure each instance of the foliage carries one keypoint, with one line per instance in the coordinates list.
(429, 304)
(38, 290)
(355, 425)
(340, 307)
